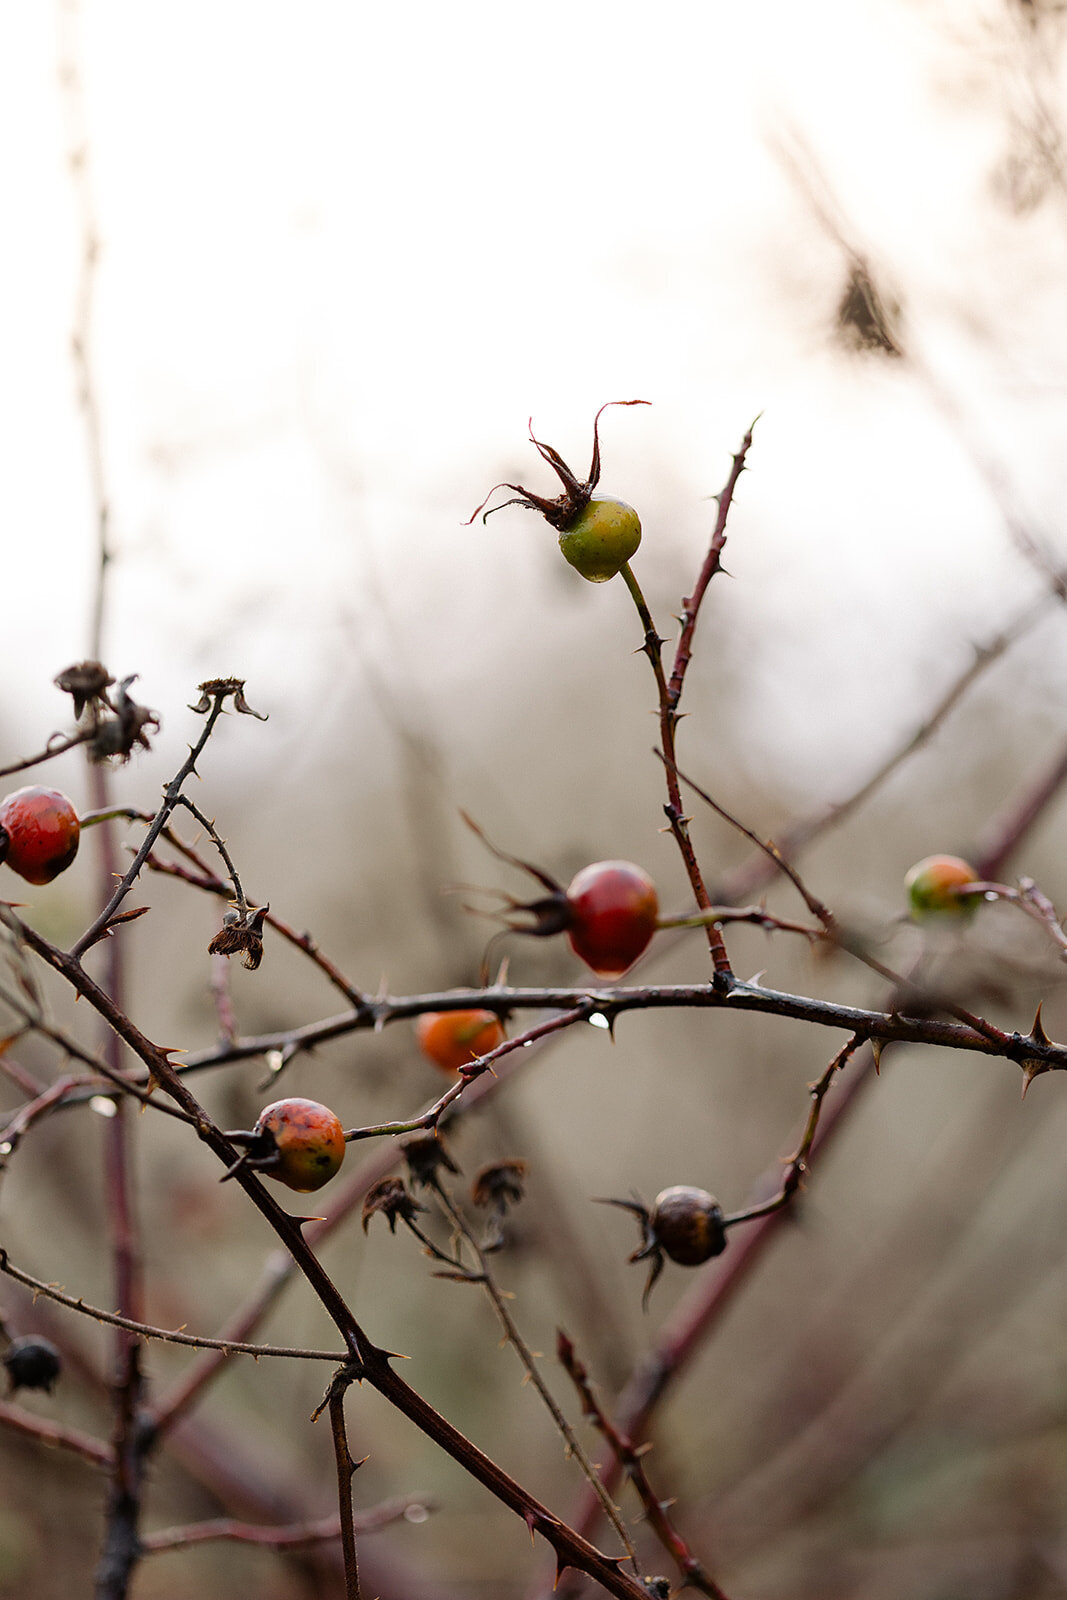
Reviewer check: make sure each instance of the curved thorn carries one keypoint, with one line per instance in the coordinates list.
(1037, 1032)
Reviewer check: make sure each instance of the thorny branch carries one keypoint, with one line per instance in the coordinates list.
(670, 694)
(171, 798)
(346, 1469)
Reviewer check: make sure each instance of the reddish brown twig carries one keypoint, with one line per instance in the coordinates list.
(669, 695)
(54, 1434)
(712, 564)
(520, 1041)
(207, 881)
(1008, 829)
(512, 1335)
(346, 1468)
(761, 869)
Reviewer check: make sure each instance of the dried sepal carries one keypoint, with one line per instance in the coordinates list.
(214, 689)
(868, 319)
(500, 1185)
(85, 682)
(390, 1197)
(116, 921)
(241, 934)
(495, 1189)
(117, 736)
(427, 1155)
(538, 874)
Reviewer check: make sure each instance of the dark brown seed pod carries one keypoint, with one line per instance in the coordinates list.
(32, 1364)
(687, 1225)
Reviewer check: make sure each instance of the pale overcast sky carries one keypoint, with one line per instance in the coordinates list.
(348, 250)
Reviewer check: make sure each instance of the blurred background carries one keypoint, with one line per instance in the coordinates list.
(342, 254)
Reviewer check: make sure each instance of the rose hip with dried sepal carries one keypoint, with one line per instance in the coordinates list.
(609, 911)
(296, 1142)
(685, 1224)
(597, 534)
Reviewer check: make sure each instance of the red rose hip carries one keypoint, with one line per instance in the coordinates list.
(39, 833)
(612, 914)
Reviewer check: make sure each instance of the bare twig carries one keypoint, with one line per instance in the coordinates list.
(146, 1330)
(631, 1459)
(57, 745)
(220, 845)
(290, 1536)
(171, 798)
(1007, 830)
(797, 1163)
(520, 1041)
